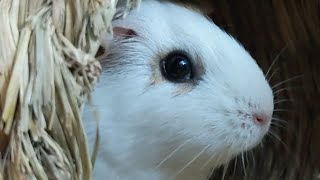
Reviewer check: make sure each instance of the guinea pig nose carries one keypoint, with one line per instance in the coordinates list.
(260, 119)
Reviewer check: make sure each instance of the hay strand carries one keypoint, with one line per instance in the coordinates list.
(47, 71)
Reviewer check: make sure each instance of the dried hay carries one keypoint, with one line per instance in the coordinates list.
(47, 70)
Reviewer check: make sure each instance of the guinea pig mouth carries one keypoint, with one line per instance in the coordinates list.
(249, 132)
(257, 136)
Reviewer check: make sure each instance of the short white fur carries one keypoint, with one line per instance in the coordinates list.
(143, 124)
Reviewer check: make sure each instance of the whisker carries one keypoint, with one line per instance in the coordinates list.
(282, 89)
(243, 164)
(253, 159)
(247, 159)
(278, 125)
(245, 154)
(172, 153)
(278, 138)
(282, 100)
(274, 73)
(287, 80)
(272, 64)
(225, 168)
(192, 160)
(281, 110)
(235, 166)
(276, 59)
(208, 162)
(211, 172)
(270, 136)
(279, 120)
(210, 159)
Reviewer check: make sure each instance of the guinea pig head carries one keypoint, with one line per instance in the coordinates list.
(174, 77)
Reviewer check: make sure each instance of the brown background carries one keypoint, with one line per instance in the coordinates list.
(265, 28)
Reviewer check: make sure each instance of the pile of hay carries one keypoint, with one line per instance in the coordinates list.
(47, 70)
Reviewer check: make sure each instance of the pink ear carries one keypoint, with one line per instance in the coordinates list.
(117, 32)
(124, 32)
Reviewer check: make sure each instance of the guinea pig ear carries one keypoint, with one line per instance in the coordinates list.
(123, 32)
(107, 39)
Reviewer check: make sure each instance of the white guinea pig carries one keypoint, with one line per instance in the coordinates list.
(177, 97)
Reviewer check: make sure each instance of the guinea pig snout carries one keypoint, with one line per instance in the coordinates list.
(257, 114)
(261, 119)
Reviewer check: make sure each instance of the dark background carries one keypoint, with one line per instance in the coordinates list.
(291, 30)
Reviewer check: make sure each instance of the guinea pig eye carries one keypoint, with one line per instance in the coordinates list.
(176, 67)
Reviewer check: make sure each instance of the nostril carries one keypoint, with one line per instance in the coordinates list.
(260, 119)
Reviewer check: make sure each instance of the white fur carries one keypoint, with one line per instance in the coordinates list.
(141, 124)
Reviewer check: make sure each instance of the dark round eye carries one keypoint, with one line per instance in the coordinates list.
(176, 67)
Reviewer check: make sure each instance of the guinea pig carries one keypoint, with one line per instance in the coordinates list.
(177, 97)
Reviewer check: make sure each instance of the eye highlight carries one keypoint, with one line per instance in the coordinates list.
(177, 67)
